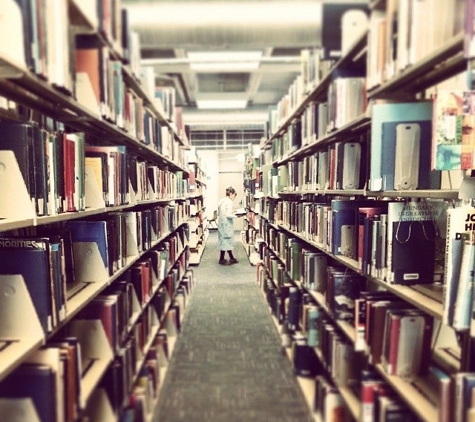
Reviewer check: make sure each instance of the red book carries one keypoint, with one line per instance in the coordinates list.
(69, 173)
(395, 329)
(368, 398)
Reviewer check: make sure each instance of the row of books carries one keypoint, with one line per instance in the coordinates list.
(346, 101)
(342, 165)
(389, 333)
(320, 351)
(53, 165)
(342, 25)
(93, 73)
(394, 333)
(409, 142)
(137, 400)
(379, 402)
(339, 286)
(150, 182)
(59, 257)
(404, 136)
(313, 67)
(285, 107)
(54, 376)
(403, 230)
(405, 32)
(387, 240)
(47, 49)
(123, 379)
(119, 104)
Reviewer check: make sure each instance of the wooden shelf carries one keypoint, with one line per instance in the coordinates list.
(444, 62)
(348, 130)
(433, 194)
(419, 403)
(408, 293)
(80, 18)
(26, 88)
(195, 257)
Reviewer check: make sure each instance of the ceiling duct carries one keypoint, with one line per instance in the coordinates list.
(226, 24)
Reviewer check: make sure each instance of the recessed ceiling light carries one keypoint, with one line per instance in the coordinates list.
(224, 61)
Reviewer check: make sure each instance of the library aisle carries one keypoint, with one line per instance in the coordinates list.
(227, 364)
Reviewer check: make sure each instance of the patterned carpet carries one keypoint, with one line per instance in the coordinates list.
(228, 363)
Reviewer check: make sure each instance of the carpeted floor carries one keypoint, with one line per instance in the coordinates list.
(228, 363)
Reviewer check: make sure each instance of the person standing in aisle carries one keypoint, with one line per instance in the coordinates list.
(226, 227)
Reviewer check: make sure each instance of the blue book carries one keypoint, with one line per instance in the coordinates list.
(396, 113)
(36, 382)
(91, 231)
(31, 259)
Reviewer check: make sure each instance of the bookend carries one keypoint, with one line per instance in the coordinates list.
(131, 195)
(18, 410)
(15, 203)
(85, 93)
(91, 274)
(161, 344)
(20, 328)
(156, 275)
(96, 353)
(88, 263)
(467, 188)
(170, 324)
(154, 328)
(136, 308)
(151, 193)
(99, 408)
(168, 301)
(132, 243)
(11, 34)
(94, 196)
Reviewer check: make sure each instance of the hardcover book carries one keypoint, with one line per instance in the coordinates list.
(16, 253)
(35, 381)
(460, 226)
(91, 231)
(412, 235)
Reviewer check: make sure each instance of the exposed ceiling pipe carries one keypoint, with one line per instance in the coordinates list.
(226, 24)
(179, 61)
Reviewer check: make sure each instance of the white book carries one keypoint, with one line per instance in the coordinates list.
(404, 26)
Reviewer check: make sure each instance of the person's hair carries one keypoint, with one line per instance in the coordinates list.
(230, 191)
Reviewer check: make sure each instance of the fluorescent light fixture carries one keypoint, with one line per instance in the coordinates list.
(224, 60)
(224, 67)
(221, 104)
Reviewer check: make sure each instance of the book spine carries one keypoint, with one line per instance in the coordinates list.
(464, 292)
